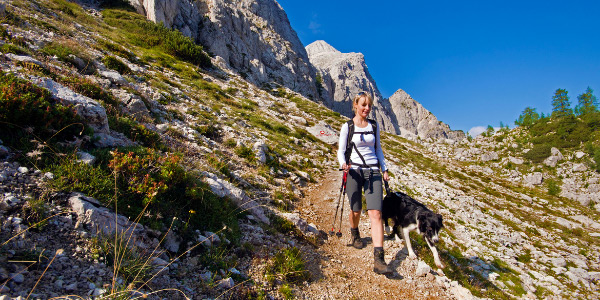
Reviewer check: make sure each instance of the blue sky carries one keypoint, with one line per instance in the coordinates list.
(471, 63)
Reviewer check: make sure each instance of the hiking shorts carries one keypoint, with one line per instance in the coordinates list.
(369, 181)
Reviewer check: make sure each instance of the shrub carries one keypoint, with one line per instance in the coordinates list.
(553, 187)
(113, 63)
(28, 112)
(538, 153)
(245, 152)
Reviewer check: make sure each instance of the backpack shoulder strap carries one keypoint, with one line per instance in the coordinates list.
(374, 125)
(349, 142)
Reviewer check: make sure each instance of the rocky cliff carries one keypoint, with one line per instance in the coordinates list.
(254, 38)
(346, 74)
(414, 120)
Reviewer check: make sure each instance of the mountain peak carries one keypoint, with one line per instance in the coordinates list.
(320, 46)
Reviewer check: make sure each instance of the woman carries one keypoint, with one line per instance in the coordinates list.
(363, 164)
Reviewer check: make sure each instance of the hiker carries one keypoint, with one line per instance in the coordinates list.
(360, 155)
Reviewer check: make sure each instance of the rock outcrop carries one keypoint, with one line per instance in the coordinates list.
(346, 74)
(414, 119)
(254, 38)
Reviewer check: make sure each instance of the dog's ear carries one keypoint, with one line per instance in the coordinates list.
(440, 219)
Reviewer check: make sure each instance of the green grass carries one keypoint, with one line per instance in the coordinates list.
(289, 266)
(135, 29)
(113, 63)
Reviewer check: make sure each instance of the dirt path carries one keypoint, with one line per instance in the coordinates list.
(347, 273)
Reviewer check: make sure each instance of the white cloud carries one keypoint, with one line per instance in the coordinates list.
(314, 25)
(477, 130)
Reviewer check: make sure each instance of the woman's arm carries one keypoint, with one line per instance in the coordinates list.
(379, 152)
(342, 146)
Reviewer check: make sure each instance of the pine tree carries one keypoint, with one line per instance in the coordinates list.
(561, 106)
(587, 103)
(528, 117)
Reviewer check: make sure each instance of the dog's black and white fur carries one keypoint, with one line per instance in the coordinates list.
(410, 214)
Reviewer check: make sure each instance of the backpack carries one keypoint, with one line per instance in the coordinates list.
(350, 145)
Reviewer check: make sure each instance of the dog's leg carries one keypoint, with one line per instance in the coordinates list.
(388, 231)
(436, 256)
(405, 232)
(396, 234)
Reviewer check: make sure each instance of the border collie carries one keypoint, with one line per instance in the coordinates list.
(410, 214)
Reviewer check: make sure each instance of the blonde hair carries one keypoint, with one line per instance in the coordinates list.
(359, 96)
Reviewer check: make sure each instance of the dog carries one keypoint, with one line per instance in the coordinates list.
(410, 214)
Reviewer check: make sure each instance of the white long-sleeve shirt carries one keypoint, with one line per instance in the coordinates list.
(365, 143)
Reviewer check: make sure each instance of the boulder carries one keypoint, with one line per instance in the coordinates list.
(422, 269)
(533, 178)
(579, 154)
(516, 160)
(86, 158)
(90, 110)
(260, 151)
(489, 156)
(554, 158)
(114, 77)
(99, 219)
(223, 188)
(324, 132)
(579, 168)
(134, 104)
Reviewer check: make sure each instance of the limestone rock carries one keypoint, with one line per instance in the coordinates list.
(324, 132)
(98, 218)
(223, 188)
(90, 110)
(579, 168)
(345, 75)
(534, 178)
(253, 37)
(492, 155)
(134, 104)
(554, 158)
(413, 118)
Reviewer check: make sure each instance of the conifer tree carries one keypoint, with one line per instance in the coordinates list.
(587, 103)
(561, 106)
(528, 117)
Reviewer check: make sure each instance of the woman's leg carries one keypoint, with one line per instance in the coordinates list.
(376, 227)
(354, 218)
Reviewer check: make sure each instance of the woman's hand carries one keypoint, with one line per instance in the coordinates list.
(386, 177)
(345, 167)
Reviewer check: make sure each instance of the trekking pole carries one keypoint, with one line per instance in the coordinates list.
(339, 233)
(337, 207)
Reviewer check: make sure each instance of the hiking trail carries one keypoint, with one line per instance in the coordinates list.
(343, 272)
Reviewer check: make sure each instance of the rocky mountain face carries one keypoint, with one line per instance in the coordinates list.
(346, 74)
(414, 120)
(253, 38)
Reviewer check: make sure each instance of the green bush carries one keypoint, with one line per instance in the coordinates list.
(538, 153)
(113, 63)
(28, 112)
(553, 187)
(245, 152)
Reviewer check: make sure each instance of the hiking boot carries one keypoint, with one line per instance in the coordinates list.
(380, 266)
(357, 242)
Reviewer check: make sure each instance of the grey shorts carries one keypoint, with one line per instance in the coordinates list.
(369, 181)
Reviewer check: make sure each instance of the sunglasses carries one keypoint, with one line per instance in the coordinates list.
(363, 93)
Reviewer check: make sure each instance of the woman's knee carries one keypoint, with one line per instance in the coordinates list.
(374, 214)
